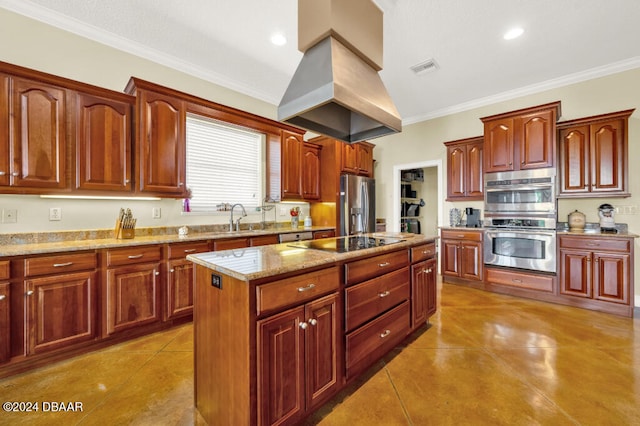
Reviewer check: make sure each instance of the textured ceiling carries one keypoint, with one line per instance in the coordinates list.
(227, 42)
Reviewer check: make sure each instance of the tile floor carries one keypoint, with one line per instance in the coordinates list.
(485, 359)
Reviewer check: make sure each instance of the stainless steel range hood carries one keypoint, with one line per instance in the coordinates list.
(335, 91)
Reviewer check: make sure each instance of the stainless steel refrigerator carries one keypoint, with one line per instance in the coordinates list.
(357, 205)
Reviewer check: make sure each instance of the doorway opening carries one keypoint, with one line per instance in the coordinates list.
(418, 197)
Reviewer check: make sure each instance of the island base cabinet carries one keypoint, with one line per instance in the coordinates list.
(5, 330)
(297, 361)
(423, 292)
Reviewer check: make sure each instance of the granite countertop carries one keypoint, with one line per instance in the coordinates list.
(78, 244)
(264, 261)
(596, 233)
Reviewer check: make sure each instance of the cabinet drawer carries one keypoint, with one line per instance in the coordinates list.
(5, 271)
(323, 234)
(586, 243)
(462, 234)
(422, 252)
(364, 269)
(367, 344)
(294, 290)
(521, 280)
(235, 243)
(263, 240)
(181, 250)
(370, 298)
(133, 255)
(62, 263)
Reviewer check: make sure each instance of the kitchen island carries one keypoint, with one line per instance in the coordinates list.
(280, 329)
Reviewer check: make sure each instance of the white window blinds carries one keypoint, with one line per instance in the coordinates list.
(224, 165)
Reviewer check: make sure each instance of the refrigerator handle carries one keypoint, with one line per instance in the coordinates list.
(365, 199)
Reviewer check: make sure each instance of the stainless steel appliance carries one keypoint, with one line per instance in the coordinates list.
(357, 205)
(473, 217)
(522, 191)
(520, 219)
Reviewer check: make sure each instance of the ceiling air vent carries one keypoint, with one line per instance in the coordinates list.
(425, 67)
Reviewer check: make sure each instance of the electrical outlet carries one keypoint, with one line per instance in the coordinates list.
(55, 214)
(156, 213)
(9, 216)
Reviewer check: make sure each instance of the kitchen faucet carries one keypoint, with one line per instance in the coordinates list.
(244, 213)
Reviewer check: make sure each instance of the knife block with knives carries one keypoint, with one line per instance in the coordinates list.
(125, 225)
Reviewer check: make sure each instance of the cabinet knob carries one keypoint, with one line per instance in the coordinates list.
(313, 321)
(15, 174)
(2, 297)
(30, 293)
(171, 270)
(303, 325)
(157, 273)
(385, 334)
(2, 173)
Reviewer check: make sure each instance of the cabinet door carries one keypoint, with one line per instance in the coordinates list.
(311, 172)
(364, 154)
(132, 297)
(474, 180)
(498, 145)
(450, 258)
(5, 329)
(537, 140)
(471, 261)
(574, 160)
(456, 167)
(432, 286)
(419, 293)
(607, 156)
(4, 130)
(291, 158)
(575, 273)
(281, 367)
(349, 160)
(103, 152)
(321, 342)
(38, 135)
(179, 288)
(611, 274)
(60, 311)
(161, 144)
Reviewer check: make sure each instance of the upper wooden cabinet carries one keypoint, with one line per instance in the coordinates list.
(161, 140)
(465, 169)
(103, 142)
(357, 158)
(4, 130)
(291, 169)
(311, 171)
(593, 156)
(38, 134)
(520, 140)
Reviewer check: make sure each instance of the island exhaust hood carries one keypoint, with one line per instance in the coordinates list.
(336, 90)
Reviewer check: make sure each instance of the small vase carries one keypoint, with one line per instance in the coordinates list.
(295, 221)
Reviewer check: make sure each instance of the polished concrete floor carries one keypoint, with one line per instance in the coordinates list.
(485, 359)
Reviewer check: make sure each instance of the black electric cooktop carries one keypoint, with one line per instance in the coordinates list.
(345, 244)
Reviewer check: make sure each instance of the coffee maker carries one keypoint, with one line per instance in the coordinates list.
(607, 221)
(473, 217)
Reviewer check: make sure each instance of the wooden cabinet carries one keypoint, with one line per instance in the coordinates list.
(520, 140)
(160, 140)
(424, 272)
(297, 360)
(465, 170)
(38, 123)
(323, 234)
(310, 171)
(356, 158)
(132, 292)
(5, 317)
(179, 276)
(462, 254)
(5, 150)
(60, 301)
(103, 142)
(597, 268)
(291, 170)
(594, 156)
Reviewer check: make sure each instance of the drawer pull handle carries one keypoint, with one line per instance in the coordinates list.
(515, 280)
(384, 293)
(136, 256)
(2, 297)
(30, 293)
(313, 321)
(61, 265)
(383, 264)
(307, 288)
(426, 252)
(460, 236)
(593, 244)
(189, 250)
(385, 334)
(303, 325)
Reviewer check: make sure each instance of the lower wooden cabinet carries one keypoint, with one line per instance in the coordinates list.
(462, 255)
(5, 321)
(179, 278)
(297, 360)
(424, 291)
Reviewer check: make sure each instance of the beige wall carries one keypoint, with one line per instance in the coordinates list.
(35, 45)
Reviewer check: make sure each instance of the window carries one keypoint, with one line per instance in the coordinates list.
(224, 164)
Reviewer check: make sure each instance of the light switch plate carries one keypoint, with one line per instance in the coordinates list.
(55, 214)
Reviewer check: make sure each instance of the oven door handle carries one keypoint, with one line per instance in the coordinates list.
(521, 232)
(516, 188)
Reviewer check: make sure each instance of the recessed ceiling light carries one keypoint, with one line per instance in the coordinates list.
(513, 33)
(425, 67)
(278, 39)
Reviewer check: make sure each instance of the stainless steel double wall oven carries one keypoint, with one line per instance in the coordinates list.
(520, 217)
